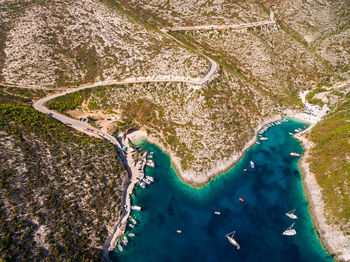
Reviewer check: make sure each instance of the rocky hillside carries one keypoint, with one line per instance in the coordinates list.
(262, 70)
(54, 43)
(197, 12)
(203, 128)
(60, 191)
(330, 159)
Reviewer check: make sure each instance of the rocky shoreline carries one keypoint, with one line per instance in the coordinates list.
(334, 240)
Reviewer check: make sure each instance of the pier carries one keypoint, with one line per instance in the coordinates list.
(134, 165)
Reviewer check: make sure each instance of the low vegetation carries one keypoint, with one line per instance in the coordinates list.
(60, 190)
(330, 160)
(316, 101)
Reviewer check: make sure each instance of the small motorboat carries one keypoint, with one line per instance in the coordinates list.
(252, 164)
(179, 231)
(244, 169)
(241, 199)
(294, 154)
(217, 213)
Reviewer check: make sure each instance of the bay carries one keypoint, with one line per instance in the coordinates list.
(269, 190)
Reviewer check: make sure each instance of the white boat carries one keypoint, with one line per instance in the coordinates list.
(131, 234)
(291, 134)
(125, 241)
(150, 178)
(263, 138)
(142, 184)
(232, 240)
(252, 164)
(294, 154)
(291, 214)
(136, 208)
(217, 213)
(150, 163)
(145, 180)
(133, 220)
(131, 225)
(120, 248)
(290, 231)
(179, 231)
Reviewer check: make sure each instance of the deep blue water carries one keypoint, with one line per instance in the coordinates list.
(271, 189)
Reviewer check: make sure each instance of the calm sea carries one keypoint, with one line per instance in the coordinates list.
(269, 190)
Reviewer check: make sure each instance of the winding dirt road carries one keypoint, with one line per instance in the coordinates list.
(128, 162)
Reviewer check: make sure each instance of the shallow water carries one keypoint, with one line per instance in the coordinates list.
(272, 188)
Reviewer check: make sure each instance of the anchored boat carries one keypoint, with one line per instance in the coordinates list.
(290, 231)
(217, 213)
(291, 214)
(294, 154)
(232, 240)
(252, 164)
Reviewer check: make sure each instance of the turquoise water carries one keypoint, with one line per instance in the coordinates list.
(272, 188)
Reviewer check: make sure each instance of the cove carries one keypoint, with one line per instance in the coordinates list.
(272, 188)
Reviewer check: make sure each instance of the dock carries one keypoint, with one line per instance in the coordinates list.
(135, 166)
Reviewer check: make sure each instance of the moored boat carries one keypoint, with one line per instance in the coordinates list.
(263, 138)
(133, 220)
(291, 214)
(290, 231)
(142, 184)
(150, 178)
(131, 234)
(145, 180)
(131, 225)
(150, 163)
(232, 240)
(120, 248)
(136, 208)
(125, 241)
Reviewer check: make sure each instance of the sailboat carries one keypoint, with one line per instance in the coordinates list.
(289, 231)
(232, 240)
(291, 214)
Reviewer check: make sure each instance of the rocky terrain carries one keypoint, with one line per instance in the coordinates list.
(55, 43)
(61, 191)
(197, 12)
(205, 128)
